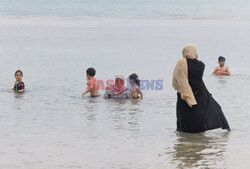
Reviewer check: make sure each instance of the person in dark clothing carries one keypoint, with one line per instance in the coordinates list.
(197, 111)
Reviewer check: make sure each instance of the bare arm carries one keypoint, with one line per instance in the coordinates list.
(140, 92)
(84, 93)
(215, 70)
(89, 87)
(20, 91)
(226, 72)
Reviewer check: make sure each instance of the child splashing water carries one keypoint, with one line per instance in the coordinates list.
(135, 86)
(221, 69)
(19, 85)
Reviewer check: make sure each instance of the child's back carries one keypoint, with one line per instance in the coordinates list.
(134, 91)
(92, 86)
(135, 86)
(92, 83)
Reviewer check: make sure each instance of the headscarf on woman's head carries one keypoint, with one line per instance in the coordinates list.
(114, 91)
(180, 75)
(189, 52)
(119, 77)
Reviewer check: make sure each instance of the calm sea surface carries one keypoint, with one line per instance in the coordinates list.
(131, 8)
(52, 126)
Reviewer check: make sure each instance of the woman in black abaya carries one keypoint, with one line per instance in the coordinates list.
(197, 111)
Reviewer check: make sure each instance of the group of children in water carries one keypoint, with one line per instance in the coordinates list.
(117, 90)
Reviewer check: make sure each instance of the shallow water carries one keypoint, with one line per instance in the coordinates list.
(52, 126)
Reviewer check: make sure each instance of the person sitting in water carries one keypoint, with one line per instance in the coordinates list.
(92, 84)
(221, 69)
(118, 90)
(135, 86)
(19, 85)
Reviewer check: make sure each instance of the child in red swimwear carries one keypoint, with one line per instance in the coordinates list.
(221, 69)
(92, 84)
(19, 85)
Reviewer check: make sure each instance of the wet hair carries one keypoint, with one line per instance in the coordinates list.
(221, 58)
(91, 71)
(135, 78)
(18, 71)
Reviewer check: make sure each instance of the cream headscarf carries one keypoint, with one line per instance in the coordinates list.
(189, 51)
(180, 75)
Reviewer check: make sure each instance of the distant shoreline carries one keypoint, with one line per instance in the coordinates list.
(169, 18)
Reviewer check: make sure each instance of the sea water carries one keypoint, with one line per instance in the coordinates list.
(53, 42)
(132, 8)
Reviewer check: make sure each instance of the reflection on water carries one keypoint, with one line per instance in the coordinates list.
(18, 95)
(18, 100)
(135, 101)
(222, 79)
(91, 107)
(124, 113)
(117, 105)
(198, 150)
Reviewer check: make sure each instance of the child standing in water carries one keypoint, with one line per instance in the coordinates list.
(221, 69)
(135, 86)
(19, 85)
(92, 84)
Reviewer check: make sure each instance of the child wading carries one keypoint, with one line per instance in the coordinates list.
(135, 86)
(221, 69)
(19, 85)
(92, 84)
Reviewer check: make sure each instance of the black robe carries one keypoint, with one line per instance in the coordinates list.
(207, 114)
